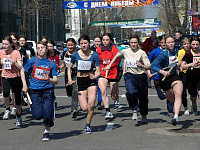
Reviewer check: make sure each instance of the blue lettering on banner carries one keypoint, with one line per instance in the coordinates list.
(105, 4)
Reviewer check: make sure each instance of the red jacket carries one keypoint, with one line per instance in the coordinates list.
(149, 45)
(55, 59)
(105, 57)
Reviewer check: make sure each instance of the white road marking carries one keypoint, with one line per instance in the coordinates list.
(109, 127)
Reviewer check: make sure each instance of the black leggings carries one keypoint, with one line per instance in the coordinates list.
(16, 85)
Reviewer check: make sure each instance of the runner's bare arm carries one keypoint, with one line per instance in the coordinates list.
(25, 87)
(113, 60)
(53, 80)
(69, 74)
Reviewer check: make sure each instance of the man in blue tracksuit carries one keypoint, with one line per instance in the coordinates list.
(152, 56)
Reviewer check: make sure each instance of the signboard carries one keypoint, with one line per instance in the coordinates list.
(190, 12)
(124, 22)
(107, 4)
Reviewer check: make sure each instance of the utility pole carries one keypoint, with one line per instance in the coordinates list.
(190, 7)
(37, 22)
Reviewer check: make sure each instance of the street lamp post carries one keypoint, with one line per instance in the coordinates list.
(37, 23)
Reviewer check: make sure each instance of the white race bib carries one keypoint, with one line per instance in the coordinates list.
(6, 64)
(39, 73)
(173, 60)
(84, 65)
(131, 63)
(196, 60)
(106, 61)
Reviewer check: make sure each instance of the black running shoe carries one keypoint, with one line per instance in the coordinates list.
(174, 122)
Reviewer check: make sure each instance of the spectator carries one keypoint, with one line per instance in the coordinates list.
(150, 43)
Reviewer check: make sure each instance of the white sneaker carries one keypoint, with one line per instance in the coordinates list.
(6, 115)
(109, 115)
(135, 115)
(13, 111)
(187, 112)
(19, 121)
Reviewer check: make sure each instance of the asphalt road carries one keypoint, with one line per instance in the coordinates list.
(125, 134)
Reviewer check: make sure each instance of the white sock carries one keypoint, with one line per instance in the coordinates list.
(176, 117)
(46, 131)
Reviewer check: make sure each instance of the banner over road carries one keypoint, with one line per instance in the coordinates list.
(107, 4)
(149, 21)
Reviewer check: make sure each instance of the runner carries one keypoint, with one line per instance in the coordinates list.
(71, 46)
(191, 62)
(182, 73)
(15, 38)
(86, 61)
(97, 42)
(166, 65)
(136, 62)
(152, 56)
(106, 52)
(43, 76)
(12, 64)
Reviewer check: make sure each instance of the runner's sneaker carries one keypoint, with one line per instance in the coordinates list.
(109, 115)
(116, 104)
(13, 111)
(6, 115)
(194, 109)
(187, 113)
(46, 137)
(144, 119)
(135, 115)
(99, 106)
(174, 121)
(74, 114)
(19, 121)
(88, 130)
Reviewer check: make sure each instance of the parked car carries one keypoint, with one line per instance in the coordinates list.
(32, 44)
(59, 46)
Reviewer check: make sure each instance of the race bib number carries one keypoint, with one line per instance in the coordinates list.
(84, 65)
(173, 60)
(131, 63)
(67, 62)
(39, 73)
(106, 61)
(196, 59)
(6, 64)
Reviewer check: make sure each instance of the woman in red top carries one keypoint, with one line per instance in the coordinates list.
(106, 53)
(53, 54)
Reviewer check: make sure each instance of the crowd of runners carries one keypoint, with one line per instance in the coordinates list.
(173, 62)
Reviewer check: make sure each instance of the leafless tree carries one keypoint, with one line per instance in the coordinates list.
(46, 8)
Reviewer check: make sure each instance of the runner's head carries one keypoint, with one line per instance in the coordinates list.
(107, 39)
(97, 41)
(14, 37)
(84, 42)
(71, 44)
(44, 39)
(170, 42)
(161, 40)
(22, 40)
(50, 45)
(194, 42)
(134, 41)
(42, 49)
(7, 43)
(186, 44)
